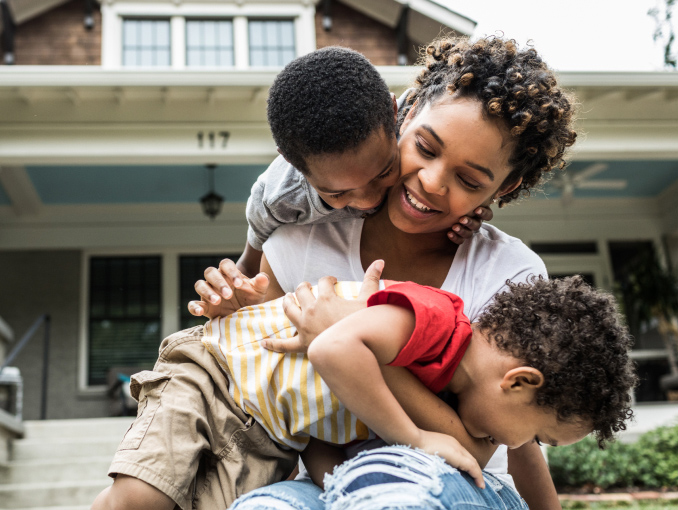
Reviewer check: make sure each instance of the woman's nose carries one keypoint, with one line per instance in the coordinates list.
(433, 180)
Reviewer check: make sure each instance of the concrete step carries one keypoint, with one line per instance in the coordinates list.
(55, 470)
(91, 427)
(30, 495)
(41, 449)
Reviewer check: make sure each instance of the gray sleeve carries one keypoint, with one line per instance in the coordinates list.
(278, 197)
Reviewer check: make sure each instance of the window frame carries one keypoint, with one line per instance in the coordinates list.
(122, 39)
(114, 12)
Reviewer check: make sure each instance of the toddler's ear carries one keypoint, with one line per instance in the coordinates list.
(522, 379)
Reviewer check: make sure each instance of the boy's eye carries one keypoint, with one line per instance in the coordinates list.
(536, 439)
(338, 195)
(386, 174)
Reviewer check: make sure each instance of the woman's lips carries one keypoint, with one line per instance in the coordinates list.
(417, 211)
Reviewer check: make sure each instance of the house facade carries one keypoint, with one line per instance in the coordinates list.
(118, 117)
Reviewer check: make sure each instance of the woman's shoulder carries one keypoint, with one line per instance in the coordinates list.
(491, 240)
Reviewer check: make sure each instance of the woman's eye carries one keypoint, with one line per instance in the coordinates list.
(468, 184)
(423, 150)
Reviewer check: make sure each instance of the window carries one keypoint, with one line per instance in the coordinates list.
(191, 269)
(271, 42)
(209, 43)
(124, 314)
(146, 43)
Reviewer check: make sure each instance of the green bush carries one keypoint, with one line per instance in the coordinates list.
(650, 462)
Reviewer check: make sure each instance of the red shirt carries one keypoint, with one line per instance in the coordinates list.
(441, 334)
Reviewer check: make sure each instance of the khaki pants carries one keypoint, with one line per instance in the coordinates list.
(190, 440)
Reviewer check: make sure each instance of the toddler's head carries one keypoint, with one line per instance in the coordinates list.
(577, 376)
(333, 118)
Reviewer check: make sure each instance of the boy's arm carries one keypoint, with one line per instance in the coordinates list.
(348, 355)
(429, 412)
(250, 260)
(531, 475)
(320, 458)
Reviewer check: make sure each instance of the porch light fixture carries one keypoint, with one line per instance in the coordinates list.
(212, 202)
(89, 17)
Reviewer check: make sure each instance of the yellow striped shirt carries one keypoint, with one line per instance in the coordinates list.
(281, 391)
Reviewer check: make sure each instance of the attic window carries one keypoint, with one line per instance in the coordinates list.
(209, 43)
(146, 43)
(271, 42)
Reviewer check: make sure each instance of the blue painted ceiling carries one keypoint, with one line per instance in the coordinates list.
(186, 184)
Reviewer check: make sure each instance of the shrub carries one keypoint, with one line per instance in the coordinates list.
(650, 462)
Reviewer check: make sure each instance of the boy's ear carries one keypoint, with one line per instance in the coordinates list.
(408, 118)
(522, 379)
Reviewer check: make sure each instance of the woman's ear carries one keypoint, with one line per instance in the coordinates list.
(395, 107)
(525, 379)
(510, 187)
(412, 113)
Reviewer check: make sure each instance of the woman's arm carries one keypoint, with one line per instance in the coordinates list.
(531, 475)
(348, 355)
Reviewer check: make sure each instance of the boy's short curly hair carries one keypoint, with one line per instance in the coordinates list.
(513, 85)
(575, 336)
(325, 102)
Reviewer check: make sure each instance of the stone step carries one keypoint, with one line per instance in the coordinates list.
(30, 495)
(91, 427)
(41, 449)
(55, 470)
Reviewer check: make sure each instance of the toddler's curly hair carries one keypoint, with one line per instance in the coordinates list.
(513, 85)
(575, 336)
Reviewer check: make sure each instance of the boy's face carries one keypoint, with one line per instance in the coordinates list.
(497, 399)
(360, 177)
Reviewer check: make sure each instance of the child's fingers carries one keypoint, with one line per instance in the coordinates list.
(470, 465)
(233, 275)
(292, 309)
(197, 308)
(260, 283)
(207, 291)
(484, 213)
(216, 284)
(371, 280)
(284, 344)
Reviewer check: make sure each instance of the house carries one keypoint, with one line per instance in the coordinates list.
(118, 117)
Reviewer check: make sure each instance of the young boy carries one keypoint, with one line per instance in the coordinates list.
(333, 120)
(547, 362)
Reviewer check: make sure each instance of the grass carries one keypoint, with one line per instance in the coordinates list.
(656, 505)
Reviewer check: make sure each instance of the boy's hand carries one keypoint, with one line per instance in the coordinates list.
(454, 453)
(226, 290)
(312, 316)
(469, 225)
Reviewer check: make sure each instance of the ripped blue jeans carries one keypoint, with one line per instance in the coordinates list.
(394, 477)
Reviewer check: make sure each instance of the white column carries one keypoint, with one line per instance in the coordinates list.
(241, 41)
(304, 27)
(178, 41)
(111, 37)
(170, 293)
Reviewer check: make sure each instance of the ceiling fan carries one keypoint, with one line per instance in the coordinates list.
(567, 182)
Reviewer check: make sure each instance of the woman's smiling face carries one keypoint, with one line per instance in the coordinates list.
(452, 160)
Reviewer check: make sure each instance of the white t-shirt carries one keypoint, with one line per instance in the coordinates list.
(480, 269)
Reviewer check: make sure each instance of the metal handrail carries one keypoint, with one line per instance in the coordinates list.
(45, 318)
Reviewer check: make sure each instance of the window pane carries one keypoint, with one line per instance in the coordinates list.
(146, 43)
(123, 330)
(226, 58)
(271, 42)
(215, 38)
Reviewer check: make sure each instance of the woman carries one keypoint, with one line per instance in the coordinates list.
(484, 124)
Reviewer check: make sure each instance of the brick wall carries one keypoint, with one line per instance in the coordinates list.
(355, 30)
(59, 37)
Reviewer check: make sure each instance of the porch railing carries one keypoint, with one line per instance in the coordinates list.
(43, 319)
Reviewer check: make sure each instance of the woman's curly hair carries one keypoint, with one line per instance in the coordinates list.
(513, 85)
(575, 336)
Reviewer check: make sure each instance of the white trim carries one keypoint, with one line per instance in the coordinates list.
(178, 42)
(113, 13)
(241, 51)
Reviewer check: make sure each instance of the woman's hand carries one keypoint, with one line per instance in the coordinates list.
(312, 316)
(454, 454)
(469, 225)
(226, 289)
